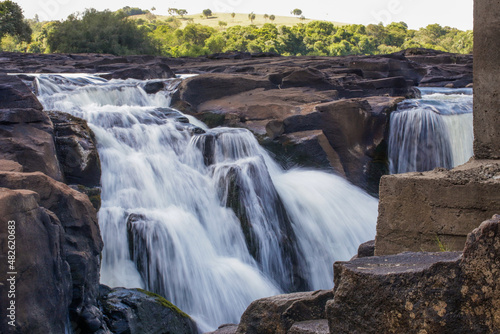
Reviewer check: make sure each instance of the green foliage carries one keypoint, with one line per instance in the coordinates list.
(100, 32)
(207, 13)
(251, 17)
(12, 22)
(129, 11)
(107, 32)
(296, 12)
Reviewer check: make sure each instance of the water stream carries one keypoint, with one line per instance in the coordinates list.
(204, 216)
(434, 131)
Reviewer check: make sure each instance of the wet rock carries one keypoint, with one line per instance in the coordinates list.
(276, 315)
(76, 148)
(42, 286)
(136, 311)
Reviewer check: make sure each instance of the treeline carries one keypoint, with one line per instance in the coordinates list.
(117, 33)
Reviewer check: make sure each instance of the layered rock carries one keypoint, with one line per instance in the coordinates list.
(136, 311)
(448, 292)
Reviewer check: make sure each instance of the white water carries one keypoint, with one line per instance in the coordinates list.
(177, 187)
(434, 131)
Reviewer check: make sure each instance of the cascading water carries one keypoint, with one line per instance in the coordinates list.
(205, 217)
(434, 131)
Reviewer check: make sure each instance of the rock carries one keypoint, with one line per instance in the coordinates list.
(356, 129)
(10, 166)
(82, 243)
(310, 327)
(139, 311)
(42, 286)
(276, 315)
(225, 329)
(308, 149)
(76, 148)
(205, 87)
(144, 72)
(406, 293)
(447, 292)
(153, 87)
(366, 249)
(15, 94)
(27, 138)
(481, 289)
(436, 210)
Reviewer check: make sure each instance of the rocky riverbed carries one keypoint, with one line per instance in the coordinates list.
(327, 112)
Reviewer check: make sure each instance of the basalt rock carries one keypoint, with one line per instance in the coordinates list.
(276, 315)
(136, 311)
(82, 240)
(25, 130)
(446, 292)
(32, 240)
(76, 149)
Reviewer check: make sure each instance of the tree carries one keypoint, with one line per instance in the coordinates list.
(266, 17)
(297, 12)
(207, 13)
(251, 17)
(222, 24)
(182, 12)
(173, 11)
(12, 21)
(272, 17)
(100, 32)
(233, 15)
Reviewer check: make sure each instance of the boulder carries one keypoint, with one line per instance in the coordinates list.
(26, 137)
(405, 293)
(15, 94)
(82, 241)
(76, 148)
(481, 287)
(308, 149)
(276, 315)
(39, 291)
(135, 311)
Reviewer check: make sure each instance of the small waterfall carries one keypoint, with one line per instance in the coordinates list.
(434, 131)
(204, 216)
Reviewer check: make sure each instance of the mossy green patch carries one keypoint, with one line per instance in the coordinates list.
(165, 303)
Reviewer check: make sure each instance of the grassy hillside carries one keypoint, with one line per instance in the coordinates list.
(239, 19)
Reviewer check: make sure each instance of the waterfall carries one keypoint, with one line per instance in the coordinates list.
(204, 216)
(434, 131)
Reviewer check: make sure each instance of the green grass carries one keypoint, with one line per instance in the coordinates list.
(239, 19)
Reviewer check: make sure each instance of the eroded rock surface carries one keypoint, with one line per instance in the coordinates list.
(446, 292)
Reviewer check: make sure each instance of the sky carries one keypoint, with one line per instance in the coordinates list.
(416, 13)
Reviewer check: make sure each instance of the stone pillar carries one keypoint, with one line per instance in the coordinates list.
(487, 79)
